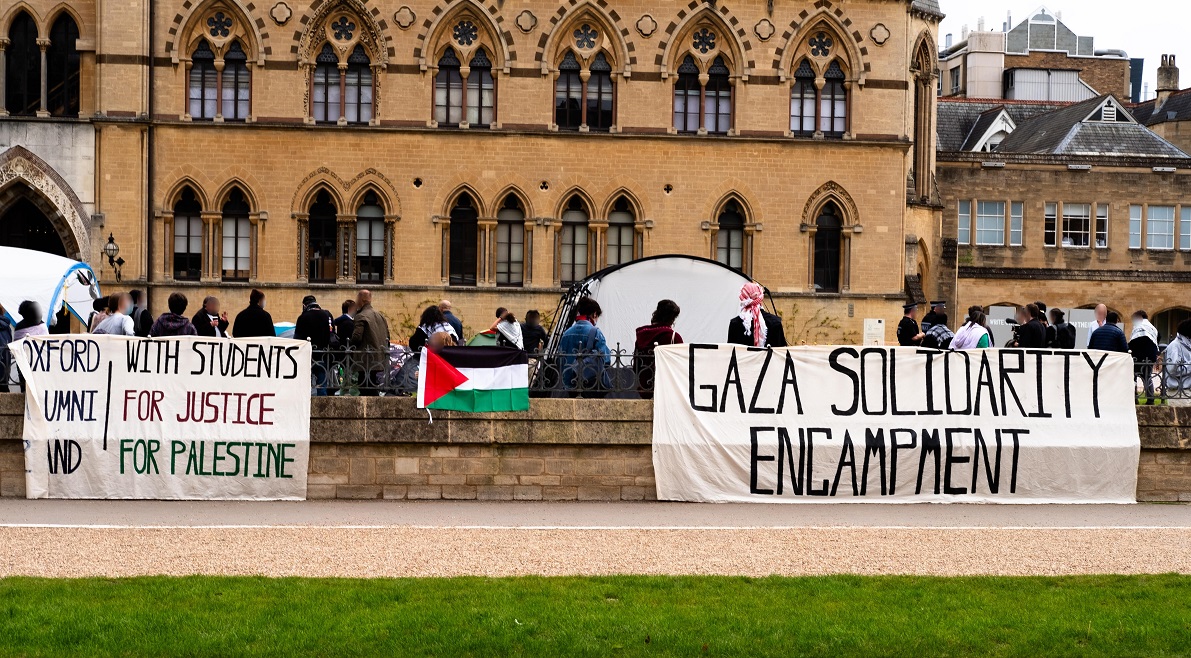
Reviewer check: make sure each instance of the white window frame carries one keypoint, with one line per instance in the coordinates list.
(1135, 214)
(1184, 228)
(1160, 240)
(1101, 227)
(1050, 225)
(1016, 221)
(1077, 212)
(964, 231)
(984, 214)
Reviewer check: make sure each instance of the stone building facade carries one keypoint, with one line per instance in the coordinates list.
(484, 151)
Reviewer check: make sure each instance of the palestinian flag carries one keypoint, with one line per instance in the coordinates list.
(475, 379)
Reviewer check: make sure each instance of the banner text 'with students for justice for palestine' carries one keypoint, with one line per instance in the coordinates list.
(165, 418)
(879, 424)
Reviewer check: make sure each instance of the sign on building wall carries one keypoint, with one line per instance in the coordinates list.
(878, 424)
(167, 418)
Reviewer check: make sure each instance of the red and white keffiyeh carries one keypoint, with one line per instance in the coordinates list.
(752, 297)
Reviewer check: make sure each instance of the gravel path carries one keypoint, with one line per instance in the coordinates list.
(445, 551)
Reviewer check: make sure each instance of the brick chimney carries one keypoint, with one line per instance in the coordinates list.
(1168, 80)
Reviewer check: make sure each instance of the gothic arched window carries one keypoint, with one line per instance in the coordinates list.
(236, 83)
(370, 240)
(323, 247)
(448, 90)
(599, 95)
(730, 236)
(568, 94)
(827, 249)
(325, 100)
(22, 83)
(833, 103)
(481, 91)
(622, 233)
(687, 92)
(573, 242)
(510, 243)
(717, 104)
(62, 60)
(803, 101)
(237, 237)
(464, 240)
(204, 92)
(357, 86)
(188, 237)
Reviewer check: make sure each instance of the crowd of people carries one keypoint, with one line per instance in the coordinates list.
(1034, 327)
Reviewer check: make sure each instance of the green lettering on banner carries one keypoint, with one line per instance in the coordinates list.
(285, 460)
(192, 466)
(202, 458)
(215, 458)
(176, 448)
(260, 456)
(274, 459)
(125, 448)
(236, 458)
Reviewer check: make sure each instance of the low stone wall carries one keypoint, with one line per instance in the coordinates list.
(561, 450)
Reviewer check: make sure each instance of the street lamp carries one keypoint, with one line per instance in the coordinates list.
(112, 251)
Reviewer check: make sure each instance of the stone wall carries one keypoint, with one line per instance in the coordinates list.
(366, 448)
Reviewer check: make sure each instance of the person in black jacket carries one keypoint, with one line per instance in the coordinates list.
(1064, 331)
(763, 329)
(1110, 337)
(1030, 333)
(908, 333)
(314, 324)
(254, 321)
(142, 319)
(533, 333)
(344, 324)
(209, 321)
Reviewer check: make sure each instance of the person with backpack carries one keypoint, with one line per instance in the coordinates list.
(938, 335)
(584, 357)
(1064, 332)
(142, 319)
(659, 331)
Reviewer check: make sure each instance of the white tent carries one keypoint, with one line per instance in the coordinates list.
(707, 292)
(51, 281)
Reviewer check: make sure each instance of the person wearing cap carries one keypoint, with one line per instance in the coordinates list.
(908, 334)
(932, 316)
(314, 324)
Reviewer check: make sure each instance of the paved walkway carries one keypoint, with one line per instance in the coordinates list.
(394, 539)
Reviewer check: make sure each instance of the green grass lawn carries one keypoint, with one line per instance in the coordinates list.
(634, 616)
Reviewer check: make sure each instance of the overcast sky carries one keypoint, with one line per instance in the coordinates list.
(1143, 29)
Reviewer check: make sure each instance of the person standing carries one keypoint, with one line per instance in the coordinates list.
(344, 323)
(1177, 365)
(254, 321)
(118, 322)
(432, 322)
(659, 331)
(974, 334)
(173, 323)
(99, 313)
(1030, 334)
(1101, 319)
(1110, 337)
(931, 318)
(5, 339)
(754, 326)
(445, 306)
(1143, 344)
(314, 324)
(1064, 332)
(533, 333)
(908, 334)
(142, 319)
(370, 333)
(939, 336)
(209, 321)
(1048, 331)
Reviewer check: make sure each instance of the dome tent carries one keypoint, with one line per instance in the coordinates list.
(51, 281)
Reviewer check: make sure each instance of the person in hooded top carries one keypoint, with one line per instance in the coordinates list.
(659, 331)
(254, 321)
(1064, 332)
(174, 323)
(99, 313)
(32, 323)
(939, 336)
(974, 334)
(314, 324)
(1177, 365)
(533, 334)
(754, 326)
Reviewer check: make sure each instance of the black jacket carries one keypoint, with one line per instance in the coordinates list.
(907, 329)
(344, 325)
(142, 321)
(776, 335)
(314, 325)
(1064, 338)
(535, 338)
(1031, 335)
(202, 324)
(253, 322)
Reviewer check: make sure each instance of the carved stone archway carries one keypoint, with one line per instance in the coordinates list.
(23, 174)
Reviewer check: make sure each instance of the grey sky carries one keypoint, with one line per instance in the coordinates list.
(1145, 29)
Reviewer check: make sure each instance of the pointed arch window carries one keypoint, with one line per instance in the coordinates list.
(370, 240)
(237, 237)
(464, 241)
(454, 101)
(568, 94)
(204, 93)
(188, 237)
(448, 90)
(573, 242)
(730, 236)
(687, 92)
(599, 95)
(510, 243)
(22, 85)
(357, 84)
(323, 246)
(481, 91)
(325, 97)
(802, 101)
(828, 232)
(236, 83)
(62, 76)
(622, 233)
(833, 105)
(717, 103)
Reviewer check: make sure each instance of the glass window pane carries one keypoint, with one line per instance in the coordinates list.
(1160, 227)
(1135, 227)
(1077, 224)
(1015, 224)
(990, 223)
(965, 222)
(1102, 226)
(1050, 228)
(1185, 229)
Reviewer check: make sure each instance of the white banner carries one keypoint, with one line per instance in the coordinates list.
(880, 424)
(165, 418)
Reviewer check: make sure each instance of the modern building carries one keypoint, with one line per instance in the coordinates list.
(1039, 59)
(1072, 204)
(486, 151)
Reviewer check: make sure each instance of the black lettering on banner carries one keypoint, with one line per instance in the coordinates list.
(1007, 383)
(847, 457)
(758, 458)
(893, 386)
(993, 476)
(1016, 447)
(753, 408)
(984, 379)
(64, 455)
(930, 383)
(789, 380)
(785, 451)
(967, 410)
(884, 381)
(704, 387)
(1038, 354)
(874, 444)
(1095, 380)
(202, 364)
(833, 361)
(293, 363)
(952, 458)
(810, 460)
(894, 448)
(930, 445)
(732, 377)
(1067, 356)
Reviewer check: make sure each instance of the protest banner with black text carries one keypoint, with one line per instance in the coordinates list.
(165, 418)
(882, 424)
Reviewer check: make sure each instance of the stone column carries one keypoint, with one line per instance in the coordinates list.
(42, 45)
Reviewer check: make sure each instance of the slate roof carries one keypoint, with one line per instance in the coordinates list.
(928, 6)
(958, 117)
(983, 122)
(1176, 108)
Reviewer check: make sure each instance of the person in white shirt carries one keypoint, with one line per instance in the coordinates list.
(1101, 319)
(118, 322)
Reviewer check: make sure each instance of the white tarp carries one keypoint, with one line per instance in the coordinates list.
(165, 418)
(49, 280)
(878, 424)
(707, 293)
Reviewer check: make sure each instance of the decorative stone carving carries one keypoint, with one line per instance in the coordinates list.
(69, 219)
(646, 26)
(405, 17)
(764, 29)
(526, 21)
(281, 13)
(879, 34)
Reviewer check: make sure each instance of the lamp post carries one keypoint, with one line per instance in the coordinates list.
(112, 251)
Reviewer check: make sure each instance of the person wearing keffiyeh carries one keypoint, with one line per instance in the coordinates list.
(754, 326)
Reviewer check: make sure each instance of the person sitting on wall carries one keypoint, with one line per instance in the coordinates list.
(583, 354)
(754, 326)
(1177, 365)
(457, 324)
(209, 321)
(254, 321)
(1143, 344)
(659, 331)
(173, 323)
